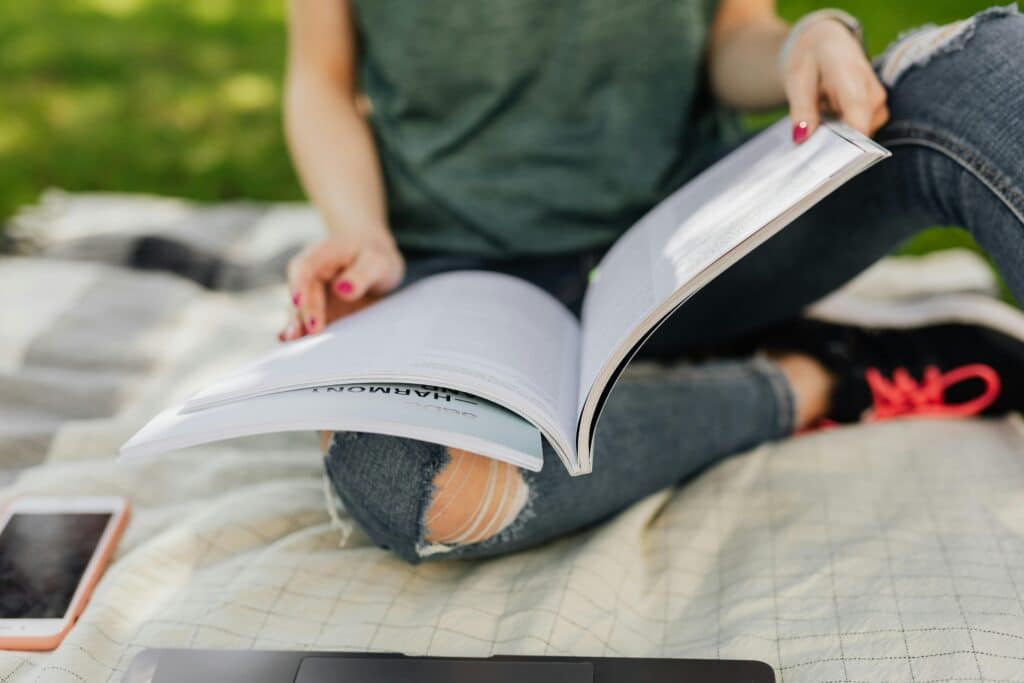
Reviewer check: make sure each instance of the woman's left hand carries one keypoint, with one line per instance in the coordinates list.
(826, 71)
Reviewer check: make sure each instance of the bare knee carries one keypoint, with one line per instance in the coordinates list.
(419, 499)
(325, 441)
(475, 498)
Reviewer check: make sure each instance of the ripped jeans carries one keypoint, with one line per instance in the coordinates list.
(956, 97)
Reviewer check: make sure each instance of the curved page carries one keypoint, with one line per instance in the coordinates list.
(697, 233)
(487, 334)
(417, 412)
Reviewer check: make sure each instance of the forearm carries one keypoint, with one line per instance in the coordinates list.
(334, 153)
(743, 64)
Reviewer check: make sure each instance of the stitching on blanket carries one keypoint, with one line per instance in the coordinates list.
(928, 655)
(334, 505)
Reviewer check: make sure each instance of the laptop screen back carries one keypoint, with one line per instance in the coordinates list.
(378, 670)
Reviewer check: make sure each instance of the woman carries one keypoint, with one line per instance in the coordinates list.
(525, 136)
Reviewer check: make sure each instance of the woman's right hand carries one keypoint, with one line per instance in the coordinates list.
(338, 276)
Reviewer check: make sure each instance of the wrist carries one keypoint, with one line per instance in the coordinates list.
(381, 240)
(363, 232)
(808, 21)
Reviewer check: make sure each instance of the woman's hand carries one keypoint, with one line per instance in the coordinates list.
(336, 158)
(826, 70)
(338, 276)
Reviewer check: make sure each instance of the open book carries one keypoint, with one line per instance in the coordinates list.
(492, 364)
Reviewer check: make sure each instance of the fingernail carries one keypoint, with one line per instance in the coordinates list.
(311, 325)
(296, 299)
(343, 287)
(800, 131)
(280, 336)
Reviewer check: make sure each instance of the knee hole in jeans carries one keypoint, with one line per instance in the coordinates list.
(475, 498)
(918, 47)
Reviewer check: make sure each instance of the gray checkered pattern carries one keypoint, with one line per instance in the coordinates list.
(891, 552)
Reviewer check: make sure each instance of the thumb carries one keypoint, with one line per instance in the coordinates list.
(801, 82)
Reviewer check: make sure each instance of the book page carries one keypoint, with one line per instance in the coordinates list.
(704, 227)
(487, 334)
(426, 413)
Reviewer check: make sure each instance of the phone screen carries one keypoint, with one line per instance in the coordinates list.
(42, 559)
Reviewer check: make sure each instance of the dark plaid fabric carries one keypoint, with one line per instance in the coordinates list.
(228, 246)
(92, 278)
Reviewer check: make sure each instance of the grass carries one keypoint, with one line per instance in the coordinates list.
(173, 97)
(181, 97)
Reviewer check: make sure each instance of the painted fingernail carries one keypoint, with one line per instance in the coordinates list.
(311, 325)
(800, 131)
(343, 287)
(296, 299)
(280, 336)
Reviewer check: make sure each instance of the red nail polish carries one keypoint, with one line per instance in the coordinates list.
(311, 324)
(800, 131)
(296, 299)
(343, 287)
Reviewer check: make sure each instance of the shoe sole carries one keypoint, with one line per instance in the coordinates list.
(970, 309)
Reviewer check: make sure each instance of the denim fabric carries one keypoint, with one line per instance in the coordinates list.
(957, 137)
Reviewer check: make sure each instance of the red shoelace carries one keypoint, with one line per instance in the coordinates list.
(903, 396)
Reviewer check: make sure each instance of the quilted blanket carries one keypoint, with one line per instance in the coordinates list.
(890, 552)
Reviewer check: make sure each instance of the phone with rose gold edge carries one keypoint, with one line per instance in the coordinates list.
(52, 553)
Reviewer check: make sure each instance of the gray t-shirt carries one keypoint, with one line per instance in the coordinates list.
(511, 127)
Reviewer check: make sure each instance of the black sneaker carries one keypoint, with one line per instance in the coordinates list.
(948, 356)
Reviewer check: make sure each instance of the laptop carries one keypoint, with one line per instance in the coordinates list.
(255, 666)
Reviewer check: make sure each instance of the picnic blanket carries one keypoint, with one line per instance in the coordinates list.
(889, 552)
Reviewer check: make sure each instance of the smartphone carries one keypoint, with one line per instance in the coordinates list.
(52, 553)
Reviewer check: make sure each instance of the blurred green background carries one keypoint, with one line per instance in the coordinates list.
(181, 97)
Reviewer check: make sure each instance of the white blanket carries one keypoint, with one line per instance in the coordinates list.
(889, 552)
